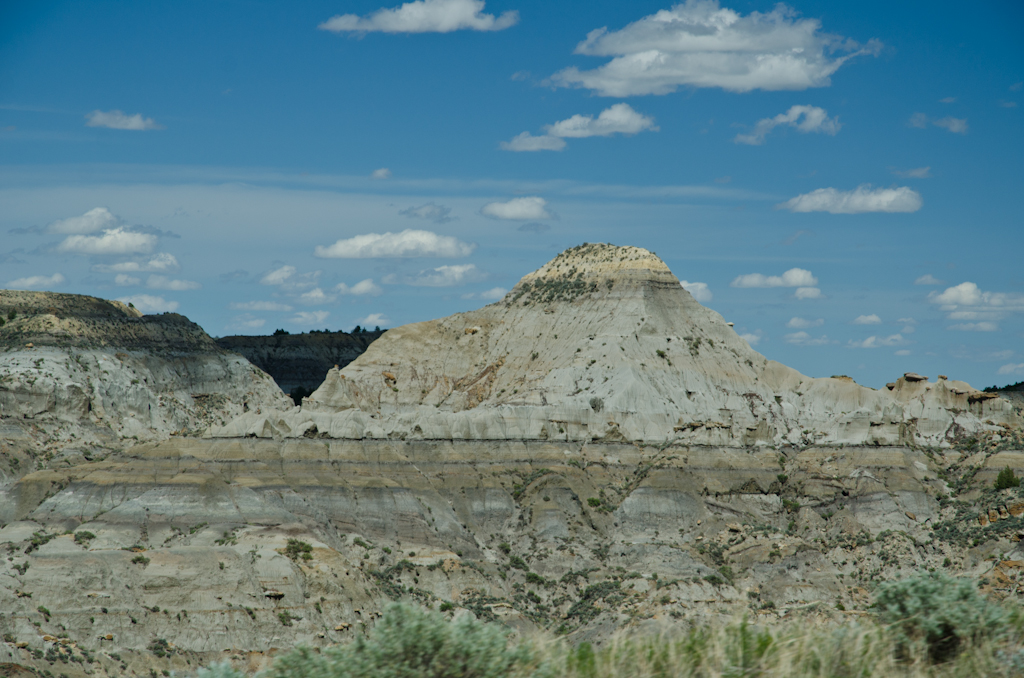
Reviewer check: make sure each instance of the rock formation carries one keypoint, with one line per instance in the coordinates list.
(300, 361)
(596, 451)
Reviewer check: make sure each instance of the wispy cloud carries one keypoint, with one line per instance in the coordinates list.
(518, 209)
(150, 304)
(363, 287)
(794, 277)
(804, 324)
(408, 243)
(260, 306)
(96, 219)
(916, 173)
(617, 119)
(37, 282)
(803, 118)
(158, 263)
(872, 319)
(862, 199)
(955, 125)
(162, 282)
(430, 212)
(927, 279)
(382, 173)
(113, 241)
(442, 276)
(423, 16)
(310, 317)
(118, 120)
(1011, 368)
(805, 339)
(876, 342)
(374, 319)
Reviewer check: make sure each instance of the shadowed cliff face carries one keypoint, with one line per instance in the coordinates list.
(300, 361)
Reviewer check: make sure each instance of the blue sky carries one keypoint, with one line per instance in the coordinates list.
(841, 180)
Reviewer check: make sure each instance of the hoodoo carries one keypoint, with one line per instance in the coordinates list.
(604, 343)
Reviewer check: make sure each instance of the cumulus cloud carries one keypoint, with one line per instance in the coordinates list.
(158, 263)
(247, 322)
(363, 287)
(1011, 368)
(286, 280)
(699, 44)
(408, 243)
(867, 320)
(518, 209)
(150, 304)
(617, 119)
(125, 280)
(909, 325)
(526, 142)
(315, 297)
(113, 241)
(752, 338)
(803, 118)
(118, 120)
(310, 317)
(984, 326)
(955, 125)
(875, 342)
(794, 277)
(862, 199)
(967, 301)
(430, 211)
(927, 279)
(698, 290)
(491, 294)
(162, 282)
(916, 173)
(804, 339)
(96, 219)
(37, 282)
(278, 276)
(260, 306)
(375, 319)
(382, 173)
(803, 324)
(424, 16)
(808, 293)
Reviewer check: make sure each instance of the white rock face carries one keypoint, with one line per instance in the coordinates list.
(604, 344)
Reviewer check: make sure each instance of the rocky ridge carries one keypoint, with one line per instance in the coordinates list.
(517, 499)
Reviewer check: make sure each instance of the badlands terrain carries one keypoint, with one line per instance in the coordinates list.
(596, 451)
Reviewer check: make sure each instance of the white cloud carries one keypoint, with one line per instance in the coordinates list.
(247, 322)
(902, 351)
(494, 293)
(37, 282)
(96, 219)
(278, 276)
(803, 324)
(310, 317)
(814, 120)
(967, 302)
(985, 326)
(431, 212)
(113, 241)
(408, 243)
(807, 293)
(518, 209)
(260, 306)
(150, 304)
(363, 287)
(699, 44)
(794, 277)
(315, 296)
(125, 280)
(424, 16)
(875, 342)
(527, 142)
(927, 279)
(374, 319)
(382, 173)
(867, 320)
(118, 120)
(752, 338)
(617, 119)
(916, 173)
(804, 339)
(955, 125)
(447, 276)
(862, 199)
(1011, 368)
(698, 290)
(947, 100)
(158, 263)
(162, 282)
(909, 325)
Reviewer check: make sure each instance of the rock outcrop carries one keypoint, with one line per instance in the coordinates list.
(300, 361)
(604, 344)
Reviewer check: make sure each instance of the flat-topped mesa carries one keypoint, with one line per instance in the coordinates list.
(604, 343)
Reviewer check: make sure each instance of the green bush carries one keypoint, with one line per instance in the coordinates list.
(1007, 479)
(298, 549)
(83, 537)
(410, 642)
(940, 611)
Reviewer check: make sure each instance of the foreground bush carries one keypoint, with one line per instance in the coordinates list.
(940, 611)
